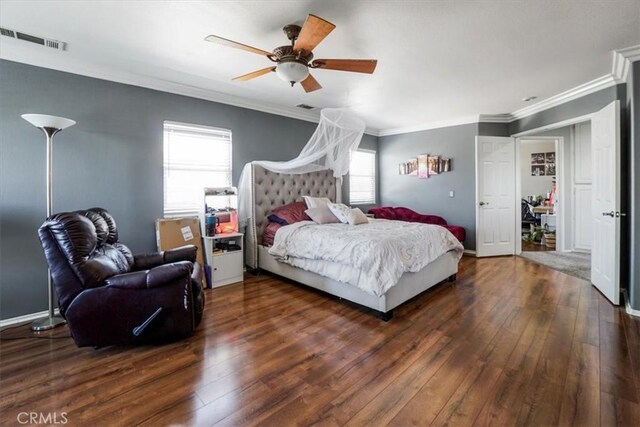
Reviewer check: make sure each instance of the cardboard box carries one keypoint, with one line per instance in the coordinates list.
(175, 232)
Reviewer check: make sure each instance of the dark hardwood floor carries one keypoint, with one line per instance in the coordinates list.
(511, 342)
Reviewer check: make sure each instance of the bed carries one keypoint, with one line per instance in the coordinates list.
(271, 190)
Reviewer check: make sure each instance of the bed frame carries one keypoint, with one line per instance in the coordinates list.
(271, 189)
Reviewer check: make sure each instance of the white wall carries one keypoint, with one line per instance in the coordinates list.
(534, 185)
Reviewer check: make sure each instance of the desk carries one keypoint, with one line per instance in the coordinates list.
(543, 210)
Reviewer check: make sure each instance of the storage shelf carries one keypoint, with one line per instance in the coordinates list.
(224, 236)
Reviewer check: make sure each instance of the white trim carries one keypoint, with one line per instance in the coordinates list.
(26, 318)
(494, 118)
(566, 96)
(469, 252)
(95, 71)
(622, 59)
(627, 305)
(557, 125)
(600, 83)
(431, 125)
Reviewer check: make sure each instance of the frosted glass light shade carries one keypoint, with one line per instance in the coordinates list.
(292, 71)
(46, 121)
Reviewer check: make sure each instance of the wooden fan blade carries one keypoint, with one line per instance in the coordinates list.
(255, 74)
(313, 31)
(231, 43)
(355, 65)
(310, 84)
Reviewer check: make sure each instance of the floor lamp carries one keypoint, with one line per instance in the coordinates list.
(50, 125)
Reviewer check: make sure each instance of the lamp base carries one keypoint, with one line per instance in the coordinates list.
(47, 323)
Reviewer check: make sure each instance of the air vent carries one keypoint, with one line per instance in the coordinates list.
(305, 107)
(53, 44)
(8, 33)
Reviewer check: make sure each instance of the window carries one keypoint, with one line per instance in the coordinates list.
(194, 157)
(362, 177)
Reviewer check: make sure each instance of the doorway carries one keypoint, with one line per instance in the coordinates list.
(539, 167)
(555, 197)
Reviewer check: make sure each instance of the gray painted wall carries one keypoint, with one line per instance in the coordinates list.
(111, 158)
(432, 195)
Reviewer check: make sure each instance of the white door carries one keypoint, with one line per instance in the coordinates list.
(495, 195)
(605, 199)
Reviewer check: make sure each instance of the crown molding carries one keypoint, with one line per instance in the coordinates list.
(622, 59)
(162, 85)
(566, 96)
(431, 125)
(495, 118)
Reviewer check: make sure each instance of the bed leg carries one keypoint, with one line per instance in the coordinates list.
(452, 278)
(386, 316)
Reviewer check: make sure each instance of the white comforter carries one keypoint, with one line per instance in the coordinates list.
(370, 256)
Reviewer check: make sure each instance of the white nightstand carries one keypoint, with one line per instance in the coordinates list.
(228, 266)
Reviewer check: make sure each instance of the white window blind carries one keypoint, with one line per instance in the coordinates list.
(362, 177)
(194, 157)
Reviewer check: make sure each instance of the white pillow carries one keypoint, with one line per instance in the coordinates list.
(357, 217)
(315, 202)
(341, 211)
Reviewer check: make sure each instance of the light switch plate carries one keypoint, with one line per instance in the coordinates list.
(452, 193)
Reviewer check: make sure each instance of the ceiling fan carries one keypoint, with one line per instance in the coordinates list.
(293, 62)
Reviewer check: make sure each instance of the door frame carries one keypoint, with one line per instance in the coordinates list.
(532, 132)
(560, 179)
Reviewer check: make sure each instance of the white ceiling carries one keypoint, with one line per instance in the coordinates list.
(437, 60)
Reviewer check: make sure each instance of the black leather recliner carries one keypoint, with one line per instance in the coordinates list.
(109, 296)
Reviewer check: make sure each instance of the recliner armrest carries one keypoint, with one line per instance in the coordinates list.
(134, 280)
(158, 276)
(183, 253)
(148, 261)
(163, 274)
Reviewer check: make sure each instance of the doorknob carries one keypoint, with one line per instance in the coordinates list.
(611, 214)
(483, 203)
(619, 214)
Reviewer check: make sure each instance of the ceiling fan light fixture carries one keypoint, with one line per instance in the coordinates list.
(292, 71)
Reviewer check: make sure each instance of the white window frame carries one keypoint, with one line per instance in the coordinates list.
(375, 187)
(201, 131)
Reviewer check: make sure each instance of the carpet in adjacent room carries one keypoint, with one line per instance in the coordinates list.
(576, 264)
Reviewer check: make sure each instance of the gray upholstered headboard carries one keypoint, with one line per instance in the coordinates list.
(271, 189)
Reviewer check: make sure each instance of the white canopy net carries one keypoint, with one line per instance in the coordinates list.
(338, 133)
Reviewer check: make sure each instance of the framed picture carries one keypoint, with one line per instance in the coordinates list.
(537, 170)
(408, 168)
(423, 166)
(413, 167)
(550, 169)
(550, 157)
(537, 158)
(445, 164)
(433, 164)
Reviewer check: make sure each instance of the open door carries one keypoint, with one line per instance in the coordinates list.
(495, 193)
(605, 199)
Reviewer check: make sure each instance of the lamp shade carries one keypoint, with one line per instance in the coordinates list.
(292, 71)
(46, 121)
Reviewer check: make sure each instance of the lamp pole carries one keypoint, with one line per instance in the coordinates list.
(50, 125)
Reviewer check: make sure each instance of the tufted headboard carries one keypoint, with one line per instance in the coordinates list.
(272, 189)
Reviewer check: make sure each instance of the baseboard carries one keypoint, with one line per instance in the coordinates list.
(469, 252)
(26, 318)
(627, 305)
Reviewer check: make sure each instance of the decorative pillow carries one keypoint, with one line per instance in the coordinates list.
(357, 217)
(316, 202)
(322, 215)
(269, 233)
(290, 214)
(277, 219)
(341, 211)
